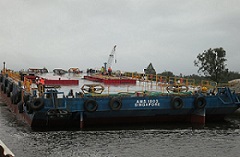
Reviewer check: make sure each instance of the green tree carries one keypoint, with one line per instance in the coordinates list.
(167, 73)
(232, 76)
(212, 63)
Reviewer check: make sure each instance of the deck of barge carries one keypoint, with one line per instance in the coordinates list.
(110, 79)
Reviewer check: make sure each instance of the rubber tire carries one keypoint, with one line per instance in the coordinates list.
(37, 104)
(115, 104)
(177, 103)
(200, 102)
(90, 105)
(20, 107)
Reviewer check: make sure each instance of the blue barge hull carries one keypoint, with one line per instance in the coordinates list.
(55, 109)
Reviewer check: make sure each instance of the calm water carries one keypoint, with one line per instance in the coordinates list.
(215, 139)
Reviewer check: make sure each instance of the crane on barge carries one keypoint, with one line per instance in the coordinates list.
(110, 58)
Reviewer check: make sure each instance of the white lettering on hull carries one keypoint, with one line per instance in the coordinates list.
(147, 103)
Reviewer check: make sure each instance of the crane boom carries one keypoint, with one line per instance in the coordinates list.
(111, 57)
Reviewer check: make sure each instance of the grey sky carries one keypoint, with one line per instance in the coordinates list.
(81, 33)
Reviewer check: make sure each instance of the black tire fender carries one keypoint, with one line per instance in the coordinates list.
(90, 105)
(177, 102)
(17, 97)
(20, 107)
(12, 97)
(8, 92)
(200, 102)
(28, 107)
(6, 82)
(115, 104)
(11, 87)
(37, 104)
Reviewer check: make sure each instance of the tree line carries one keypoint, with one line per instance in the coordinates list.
(211, 66)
